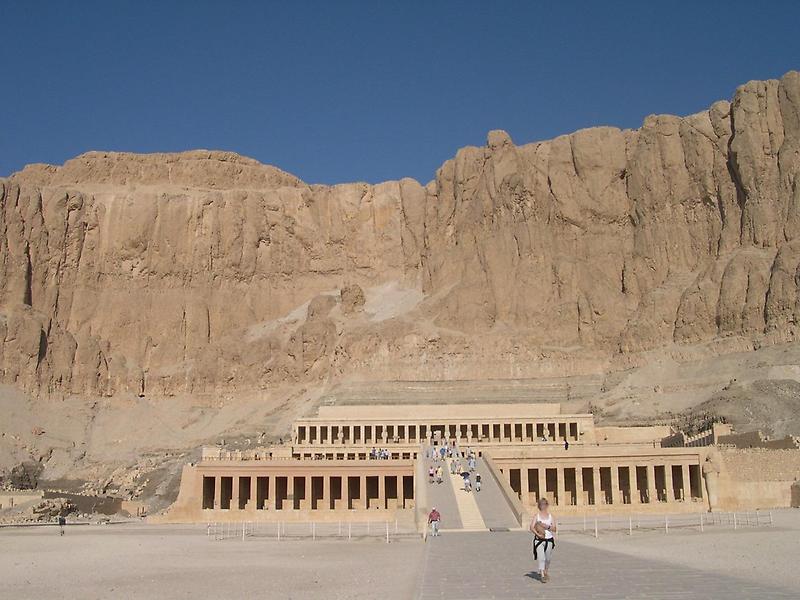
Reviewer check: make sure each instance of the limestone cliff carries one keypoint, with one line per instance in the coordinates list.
(208, 272)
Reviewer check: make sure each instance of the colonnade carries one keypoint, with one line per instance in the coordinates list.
(340, 491)
(611, 484)
(550, 430)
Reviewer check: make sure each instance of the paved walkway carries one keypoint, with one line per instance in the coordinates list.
(482, 566)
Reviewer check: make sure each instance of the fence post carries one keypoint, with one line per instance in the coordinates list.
(349, 531)
(313, 531)
(701, 522)
(584, 521)
(279, 531)
(734, 520)
(395, 525)
(770, 518)
(387, 532)
(666, 523)
(595, 527)
(243, 530)
(630, 525)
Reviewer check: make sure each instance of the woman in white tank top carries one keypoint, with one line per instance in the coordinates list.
(543, 527)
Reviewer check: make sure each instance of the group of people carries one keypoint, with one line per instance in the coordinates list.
(379, 454)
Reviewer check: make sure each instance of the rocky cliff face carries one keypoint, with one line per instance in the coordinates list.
(209, 272)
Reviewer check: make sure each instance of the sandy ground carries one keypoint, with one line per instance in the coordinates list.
(165, 562)
(766, 556)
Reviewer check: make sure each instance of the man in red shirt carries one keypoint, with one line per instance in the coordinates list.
(433, 520)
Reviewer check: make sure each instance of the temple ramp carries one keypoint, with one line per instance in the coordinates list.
(442, 496)
(496, 512)
(468, 511)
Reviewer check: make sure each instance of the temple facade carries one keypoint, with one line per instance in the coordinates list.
(369, 462)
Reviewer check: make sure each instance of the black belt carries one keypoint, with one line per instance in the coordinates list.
(537, 541)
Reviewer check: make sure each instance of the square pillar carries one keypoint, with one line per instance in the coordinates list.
(523, 484)
(251, 501)
(235, 493)
(382, 491)
(634, 483)
(218, 491)
(596, 490)
(669, 492)
(542, 473)
(290, 490)
(686, 485)
(363, 488)
(307, 494)
(652, 494)
(401, 491)
(579, 486)
(271, 496)
(615, 499)
(326, 492)
(562, 494)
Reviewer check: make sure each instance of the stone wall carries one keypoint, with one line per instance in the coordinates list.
(757, 478)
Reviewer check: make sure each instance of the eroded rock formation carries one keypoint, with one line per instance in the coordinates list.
(207, 271)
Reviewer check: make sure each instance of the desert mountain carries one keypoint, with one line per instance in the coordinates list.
(208, 272)
(210, 275)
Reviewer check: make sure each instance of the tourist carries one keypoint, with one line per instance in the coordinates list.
(442, 452)
(467, 482)
(373, 454)
(566, 444)
(430, 475)
(62, 521)
(477, 482)
(439, 474)
(543, 527)
(433, 519)
(452, 467)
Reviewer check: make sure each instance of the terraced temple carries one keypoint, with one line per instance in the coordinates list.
(370, 462)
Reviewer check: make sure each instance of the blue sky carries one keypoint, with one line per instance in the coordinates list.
(364, 91)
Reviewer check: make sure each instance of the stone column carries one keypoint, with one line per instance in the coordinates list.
(307, 500)
(401, 491)
(670, 493)
(491, 432)
(381, 491)
(686, 487)
(562, 494)
(523, 484)
(652, 493)
(579, 486)
(290, 491)
(235, 493)
(251, 501)
(364, 498)
(596, 490)
(634, 483)
(615, 496)
(271, 496)
(217, 492)
(326, 492)
(542, 473)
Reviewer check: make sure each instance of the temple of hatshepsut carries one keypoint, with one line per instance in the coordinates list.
(370, 462)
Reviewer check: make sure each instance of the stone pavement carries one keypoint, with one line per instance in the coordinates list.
(482, 566)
